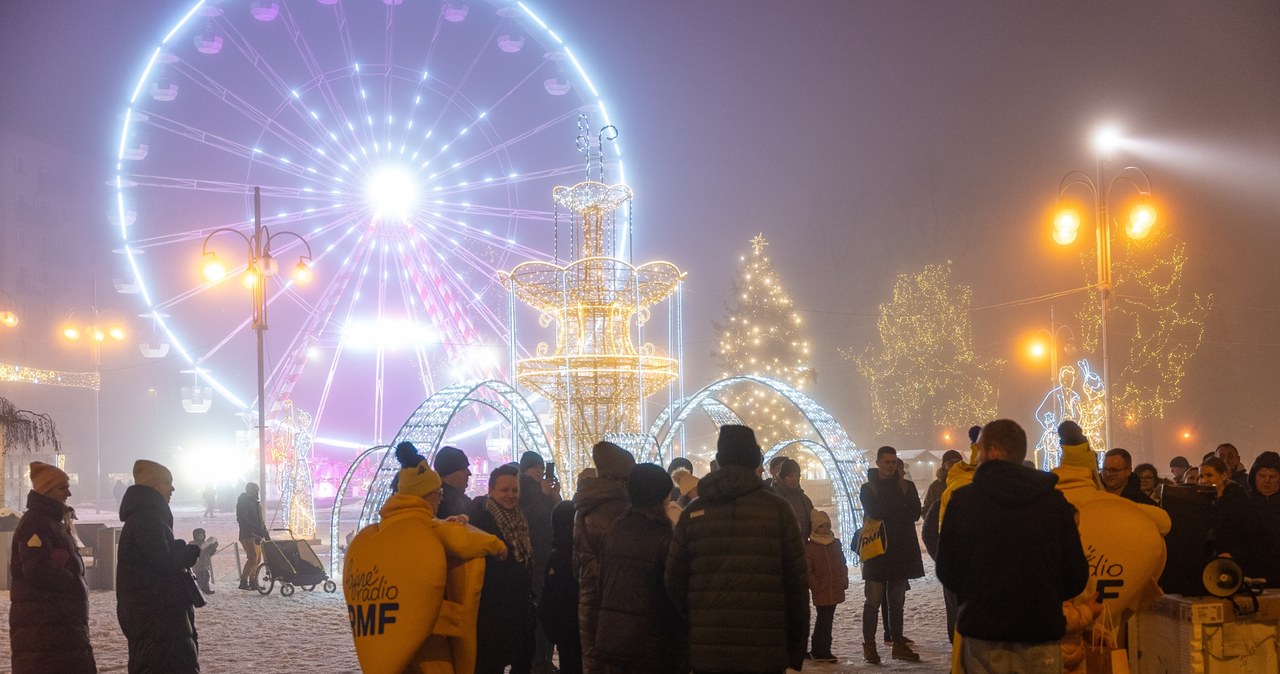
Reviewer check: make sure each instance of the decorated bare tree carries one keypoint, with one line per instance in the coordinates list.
(22, 433)
(924, 375)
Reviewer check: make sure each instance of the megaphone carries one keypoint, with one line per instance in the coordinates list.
(1222, 577)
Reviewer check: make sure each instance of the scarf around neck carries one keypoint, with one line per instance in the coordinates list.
(514, 529)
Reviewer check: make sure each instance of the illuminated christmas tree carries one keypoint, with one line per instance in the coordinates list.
(924, 375)
(1166, 324)
(761, 336)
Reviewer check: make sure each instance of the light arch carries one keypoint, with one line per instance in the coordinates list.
(840, 457)
(426, 427)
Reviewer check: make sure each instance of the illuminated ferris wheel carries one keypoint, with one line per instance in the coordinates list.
(413, 144)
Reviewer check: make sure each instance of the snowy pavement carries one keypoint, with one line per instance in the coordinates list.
(244, 631)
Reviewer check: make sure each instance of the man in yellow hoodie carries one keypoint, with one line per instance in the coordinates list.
(412, 583)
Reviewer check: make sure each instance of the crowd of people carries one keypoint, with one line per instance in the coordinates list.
(651, 569)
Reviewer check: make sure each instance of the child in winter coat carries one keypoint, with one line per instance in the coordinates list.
(828, 579)
(204, 566)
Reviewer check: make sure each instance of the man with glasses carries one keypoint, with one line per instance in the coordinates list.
(1118, 477)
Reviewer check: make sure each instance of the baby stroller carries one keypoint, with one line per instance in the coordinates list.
(293, 563)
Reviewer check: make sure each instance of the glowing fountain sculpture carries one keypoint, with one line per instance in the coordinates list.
(596, 379)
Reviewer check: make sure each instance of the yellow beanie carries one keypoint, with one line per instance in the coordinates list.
(419, 481)
(1081, 456)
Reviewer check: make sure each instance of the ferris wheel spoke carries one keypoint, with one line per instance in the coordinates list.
(439, 301)
(269, 123)
(506, 145)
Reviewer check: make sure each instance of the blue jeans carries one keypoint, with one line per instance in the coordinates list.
(891, 592)
(1009, 657)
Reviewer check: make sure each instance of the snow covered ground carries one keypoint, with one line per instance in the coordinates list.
(308, 632)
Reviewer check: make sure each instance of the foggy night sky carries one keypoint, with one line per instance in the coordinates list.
(865, 139)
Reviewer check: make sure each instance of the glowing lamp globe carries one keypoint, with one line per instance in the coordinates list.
(250, 279)
(214, 270)
(98, 335)
(302, 273)
(116, 333)
(1065, 226)
(1106, 138)
(391, 192)
(71, 333)
(8, 319)
(1037, 350)
(1141, 219)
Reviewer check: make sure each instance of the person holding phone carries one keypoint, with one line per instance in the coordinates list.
(539, 494)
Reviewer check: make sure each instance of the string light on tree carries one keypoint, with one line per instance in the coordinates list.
(1167, 324)
(924, 374)
(761, 335)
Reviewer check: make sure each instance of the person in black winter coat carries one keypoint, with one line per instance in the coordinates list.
(558, 610)
(598, 503)
(892, 499)
(155, 591)
(1011, 552)
(253, 531)
(506, 622)
(454, 469)
(1264, 485)
(49, 601)
(638, 629)
(1236, 527)
(736, 570)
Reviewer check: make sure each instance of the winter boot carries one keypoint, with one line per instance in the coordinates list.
(902, 651)
(869, 652)
(244, 584)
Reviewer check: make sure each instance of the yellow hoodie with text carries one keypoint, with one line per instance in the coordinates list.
(412, 584)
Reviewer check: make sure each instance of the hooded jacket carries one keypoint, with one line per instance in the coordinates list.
(598, 503)
(154, 603)
(638, 628)
(49, 601)
(1011, 553)
(896, 502)
(249, 517)
(828, 572)
(736, 570)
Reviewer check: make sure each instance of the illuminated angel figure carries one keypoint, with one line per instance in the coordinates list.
(1093, 409)
(1061, 403)
(298, 502)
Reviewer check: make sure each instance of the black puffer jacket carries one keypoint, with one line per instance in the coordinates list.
(638, 629)
(1237, 528)
(558, 609)
(1011, 552)
(154, 601)
(896, 502)
(598, 503)
(537, 510)
(737, 571)
(49, 609)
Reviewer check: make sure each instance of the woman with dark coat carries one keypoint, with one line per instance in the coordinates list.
(638, 628)
(558, 610)
(505, 626)
(1236, 528)
(49, 609)
(155, 591)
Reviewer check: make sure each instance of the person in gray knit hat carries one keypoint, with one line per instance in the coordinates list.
(746, 604)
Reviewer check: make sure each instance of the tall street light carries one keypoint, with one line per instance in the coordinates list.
(94, 331)
(1053, 347)
(260, 267)
(1066, 225)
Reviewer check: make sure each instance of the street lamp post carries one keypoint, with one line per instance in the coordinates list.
(260, 266)
(1067, 348)
(95, 334)
(1067, 224)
